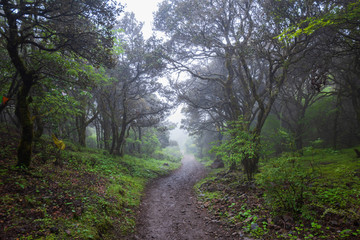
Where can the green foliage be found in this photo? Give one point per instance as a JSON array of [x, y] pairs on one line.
[[322, 179], [338, 16], [171, 153], [239, 148], [274, 139], [190, 146], [286, 184], [150, 143]]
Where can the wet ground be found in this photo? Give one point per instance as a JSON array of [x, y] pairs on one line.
[[169, 210]]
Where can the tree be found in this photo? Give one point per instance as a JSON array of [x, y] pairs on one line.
[[238, 35], [33, 29], [132, 97], [298, 94], [337, 27]]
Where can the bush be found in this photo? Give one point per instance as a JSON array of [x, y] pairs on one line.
[[171, 154], [286, 184], [150, 143], [239, 148]]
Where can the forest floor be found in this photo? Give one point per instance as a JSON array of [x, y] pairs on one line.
[[195, 203], [91, 195], [94, 195], [170, 209]]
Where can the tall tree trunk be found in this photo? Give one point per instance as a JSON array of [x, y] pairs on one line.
[[299, 140], [106, 133], [121, 139], [23, 114], [39, 124], [81, 129], [82, 124], [99, 144], [336, 120], [355, 98], [140, 139], [299, 130], [28, 79], [114, 128]]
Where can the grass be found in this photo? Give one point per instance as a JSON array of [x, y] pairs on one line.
[[92, 195]]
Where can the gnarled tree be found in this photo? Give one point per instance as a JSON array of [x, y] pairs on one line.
[[33, 28]]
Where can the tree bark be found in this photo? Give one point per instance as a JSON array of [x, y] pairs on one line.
[[121, 139], [140, 139], [82, 125], [81, 129], [106, 133], [23, 114]]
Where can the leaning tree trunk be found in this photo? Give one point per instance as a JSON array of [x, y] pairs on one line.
[[23, 114]]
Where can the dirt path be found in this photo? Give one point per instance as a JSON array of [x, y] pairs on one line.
[[169, 210]]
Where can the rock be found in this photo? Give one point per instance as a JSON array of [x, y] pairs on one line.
[[166, 164]]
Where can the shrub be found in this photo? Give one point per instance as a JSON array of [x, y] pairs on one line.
[[286, 184], [239, 147]]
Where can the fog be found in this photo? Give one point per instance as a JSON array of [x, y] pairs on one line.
[[178, 135]]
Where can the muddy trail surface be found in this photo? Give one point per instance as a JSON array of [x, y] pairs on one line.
[[169, 210]]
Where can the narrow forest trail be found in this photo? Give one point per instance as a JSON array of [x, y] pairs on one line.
[[169, 209]]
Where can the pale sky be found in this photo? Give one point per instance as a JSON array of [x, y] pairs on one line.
[[143, 10]]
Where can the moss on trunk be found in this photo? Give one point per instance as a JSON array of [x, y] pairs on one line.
[[23, 114]]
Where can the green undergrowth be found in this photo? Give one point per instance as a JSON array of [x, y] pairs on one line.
[[314, 196], [207, 161], [86, 195]]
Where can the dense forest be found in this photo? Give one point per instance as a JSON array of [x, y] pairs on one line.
[[271, 99]]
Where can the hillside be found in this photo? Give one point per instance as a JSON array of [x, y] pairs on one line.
[[76, 194]]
